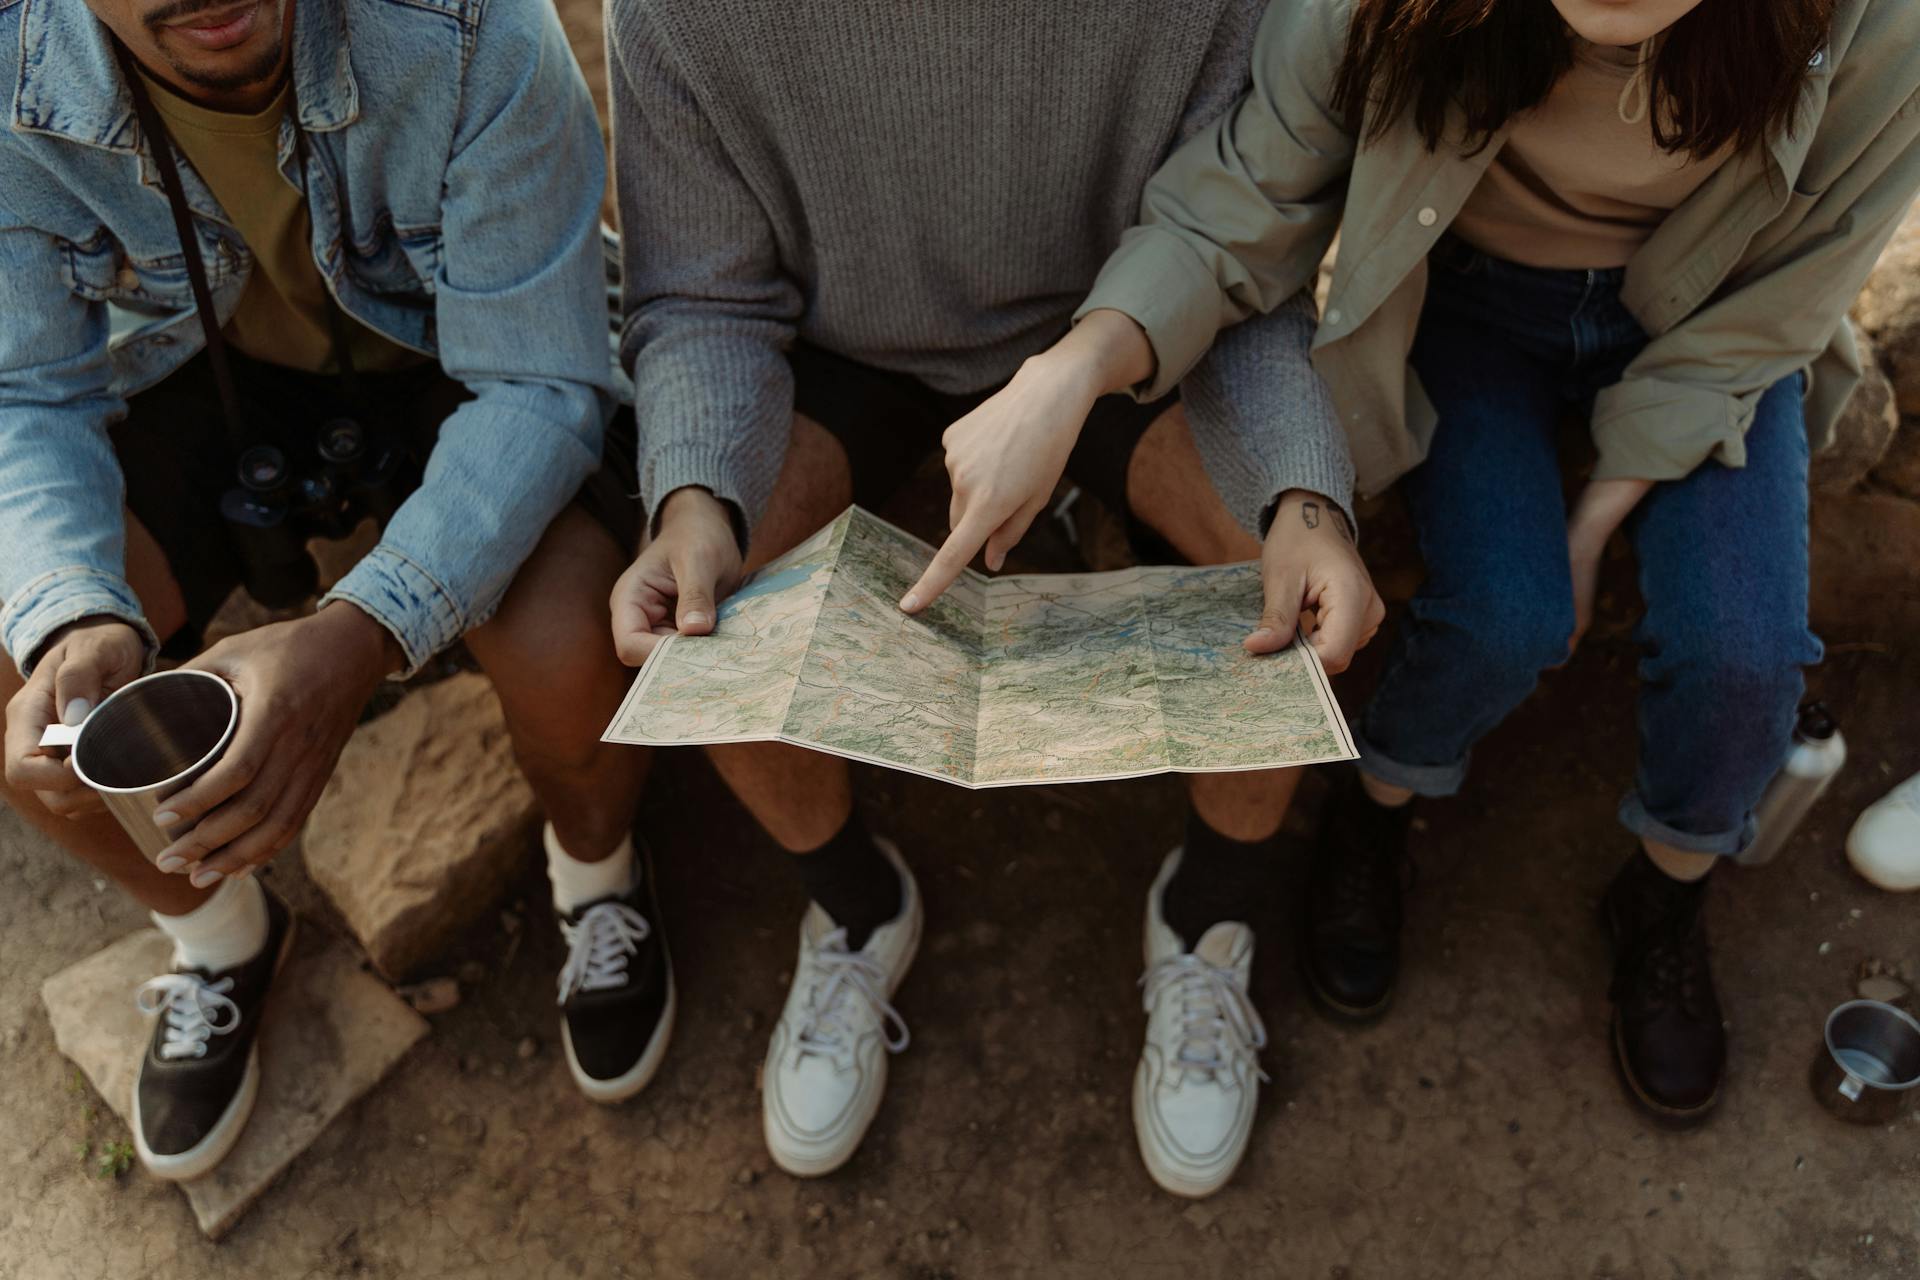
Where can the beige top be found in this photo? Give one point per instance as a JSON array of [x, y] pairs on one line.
[[283, 317], [1580, 181], [1744, 282]]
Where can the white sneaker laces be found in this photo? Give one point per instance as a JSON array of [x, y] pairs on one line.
[[195, 1010], [839, 976], [1218, 1022], [598, 947]]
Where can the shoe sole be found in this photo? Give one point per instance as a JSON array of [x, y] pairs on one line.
[[1164, 1177], [1339, 1010], [1668, 1116], [200, 1160], [641, 1074], [818, 1167]]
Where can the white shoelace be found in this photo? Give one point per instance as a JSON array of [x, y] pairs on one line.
[[195, 1010], [840, 976], [1218, 1023], [599, 946]]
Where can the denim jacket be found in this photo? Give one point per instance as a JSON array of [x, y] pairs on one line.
[[456, 171]]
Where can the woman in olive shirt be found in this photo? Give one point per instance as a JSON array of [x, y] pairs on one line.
[[1655, 210]]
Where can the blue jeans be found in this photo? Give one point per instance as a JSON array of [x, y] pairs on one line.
[[1505, 351]]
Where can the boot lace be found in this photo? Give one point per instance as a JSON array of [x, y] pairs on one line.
[[195, 1011], [607, 935], [1667, 965]]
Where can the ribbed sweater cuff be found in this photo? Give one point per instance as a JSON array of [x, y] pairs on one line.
[[703, 466]]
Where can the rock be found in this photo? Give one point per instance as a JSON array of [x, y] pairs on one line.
[[1883, 988], [527, 1048], [1888, 309], [435, 995], [473, 973], [1899, 467], [1862, 435], [1865, 551], [331, 1032], [423, 824]]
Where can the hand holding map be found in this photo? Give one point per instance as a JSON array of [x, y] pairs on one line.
[[1019, 679]]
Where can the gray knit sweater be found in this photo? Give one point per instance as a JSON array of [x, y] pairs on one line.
[[925, 186]]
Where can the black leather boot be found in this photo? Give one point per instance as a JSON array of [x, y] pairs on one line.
[[1668, 1036], [1350, 946]]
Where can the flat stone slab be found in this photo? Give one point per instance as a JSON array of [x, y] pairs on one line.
[[331, 1032]]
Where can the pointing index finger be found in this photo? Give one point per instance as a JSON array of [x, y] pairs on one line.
[[948, 564]]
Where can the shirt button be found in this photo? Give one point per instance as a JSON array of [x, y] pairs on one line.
[[1333, 316], [1427, 217], [128, 278]]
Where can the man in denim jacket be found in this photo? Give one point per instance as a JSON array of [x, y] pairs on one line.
[[396, 214]]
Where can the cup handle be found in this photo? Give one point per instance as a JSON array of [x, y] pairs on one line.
[[60, 735], [1851, 1087]]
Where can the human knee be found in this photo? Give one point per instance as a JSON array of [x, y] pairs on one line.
[[1753, 664]]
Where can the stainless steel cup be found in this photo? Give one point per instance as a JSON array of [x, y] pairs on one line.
[[1869, 1068], [148, 740]]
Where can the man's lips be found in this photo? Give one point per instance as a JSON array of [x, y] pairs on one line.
[[219, 29]]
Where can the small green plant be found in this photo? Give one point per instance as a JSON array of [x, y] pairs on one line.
[[115, 1159]]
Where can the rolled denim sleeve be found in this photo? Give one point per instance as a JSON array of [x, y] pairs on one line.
[[1239, 217], [62, 532], [520, 309]]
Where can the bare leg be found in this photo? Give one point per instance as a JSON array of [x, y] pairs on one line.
[[559, 682], [95, 838], [1168, 488], [800, 797]]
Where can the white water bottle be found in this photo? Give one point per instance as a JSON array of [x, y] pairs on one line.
[[1817, 754]]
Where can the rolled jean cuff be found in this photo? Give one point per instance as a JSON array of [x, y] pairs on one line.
[[1635, 818], [1432, 780]]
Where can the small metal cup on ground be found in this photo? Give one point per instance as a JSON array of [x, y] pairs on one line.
[[1868, 1069], [146, 741]]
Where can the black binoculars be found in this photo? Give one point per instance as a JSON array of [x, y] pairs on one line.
[[279, 504]]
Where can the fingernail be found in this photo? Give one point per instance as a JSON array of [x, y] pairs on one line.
[[202, 877], [76, 712], [1262, 631], [694, 620], [910, 601], [172, 862], [165, 818]]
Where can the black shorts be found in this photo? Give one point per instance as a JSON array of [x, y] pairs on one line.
[[889, 423], [174, 449]]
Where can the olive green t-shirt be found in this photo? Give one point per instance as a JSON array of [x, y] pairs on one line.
[[283, 317]]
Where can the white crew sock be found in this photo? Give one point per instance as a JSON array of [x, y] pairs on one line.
[[576, 883], [228, 929]]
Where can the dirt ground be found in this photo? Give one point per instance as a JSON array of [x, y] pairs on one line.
[[1477, 1131]]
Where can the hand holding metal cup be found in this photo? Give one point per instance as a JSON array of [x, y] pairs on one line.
[[147, 741]]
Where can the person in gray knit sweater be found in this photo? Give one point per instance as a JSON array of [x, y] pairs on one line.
[[845, 226]]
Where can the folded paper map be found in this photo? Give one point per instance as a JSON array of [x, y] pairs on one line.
[[1027, 678]]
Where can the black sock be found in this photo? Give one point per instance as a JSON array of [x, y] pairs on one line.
[[852, 881], [1219, 879]]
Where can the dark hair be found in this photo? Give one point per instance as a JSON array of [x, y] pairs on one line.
[[1729, 71]]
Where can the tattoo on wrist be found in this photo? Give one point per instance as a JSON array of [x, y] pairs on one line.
[[1310, 514]]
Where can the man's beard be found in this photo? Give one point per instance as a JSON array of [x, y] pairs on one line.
[[256, 70]]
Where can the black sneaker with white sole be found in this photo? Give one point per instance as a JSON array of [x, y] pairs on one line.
[[616, 992], [200, 1077]]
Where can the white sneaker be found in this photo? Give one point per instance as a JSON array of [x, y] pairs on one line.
[[1884, 845], [1199, 1077], [826, 1067]]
